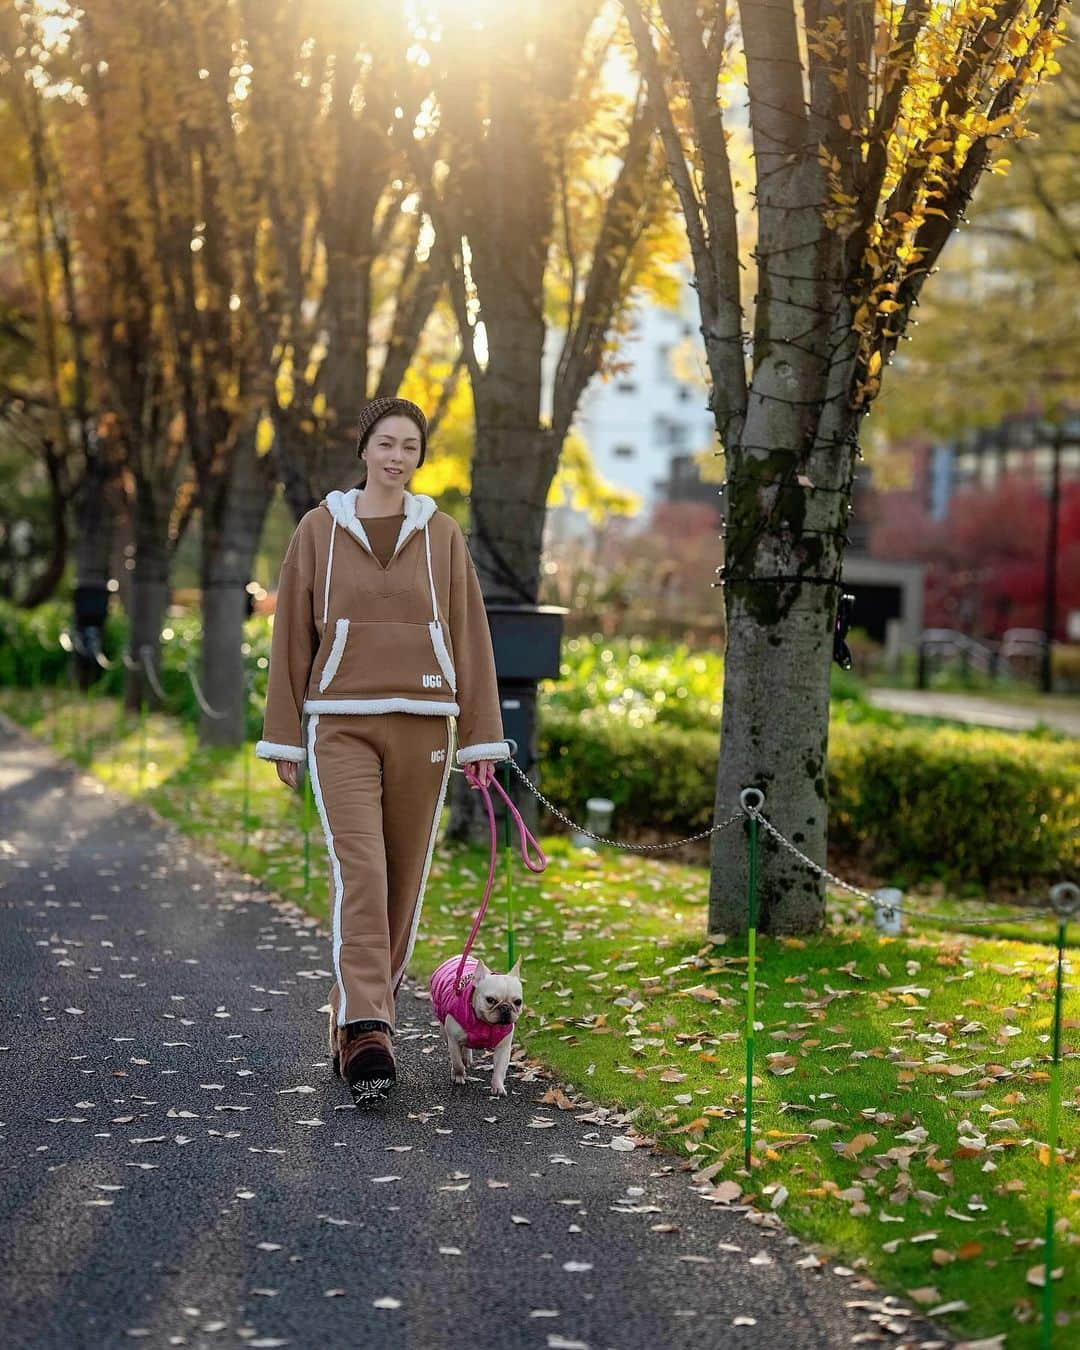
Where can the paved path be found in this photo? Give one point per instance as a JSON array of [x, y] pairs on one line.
[[986, 712], [179, 1167]]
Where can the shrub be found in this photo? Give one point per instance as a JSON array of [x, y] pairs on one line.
[[976, 805], [968, 805]]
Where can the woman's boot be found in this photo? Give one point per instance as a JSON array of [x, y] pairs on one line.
[[366, 1060]]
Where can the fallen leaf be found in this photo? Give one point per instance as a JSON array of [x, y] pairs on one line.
[[857, 1145]]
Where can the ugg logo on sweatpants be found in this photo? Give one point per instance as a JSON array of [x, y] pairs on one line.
[[432, 681], [438, 756]]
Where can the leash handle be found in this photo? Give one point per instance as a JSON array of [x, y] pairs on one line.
[[527, 841]]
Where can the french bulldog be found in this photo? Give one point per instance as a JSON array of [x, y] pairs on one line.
[[480, 1016]]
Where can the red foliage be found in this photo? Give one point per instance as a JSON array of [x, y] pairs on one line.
[[986, 562]]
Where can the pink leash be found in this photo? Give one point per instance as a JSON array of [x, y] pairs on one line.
[[526, 840]]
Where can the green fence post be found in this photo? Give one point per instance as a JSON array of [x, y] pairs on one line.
[[35, 678], [1064, 897], [142, 731], [89, 711], [246, 795], [308, 801], [752, 800], [509, 871]]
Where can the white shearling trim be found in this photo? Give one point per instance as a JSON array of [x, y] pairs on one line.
[[442, 655], [335, 865], [342, 506], [399, 973], [341, 633], [367, 706], [488, 750], [271, 750], [329, 573]]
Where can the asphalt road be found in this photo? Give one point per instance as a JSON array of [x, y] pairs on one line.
[[178, 1167]]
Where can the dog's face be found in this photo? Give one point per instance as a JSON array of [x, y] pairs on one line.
[[497, 998]]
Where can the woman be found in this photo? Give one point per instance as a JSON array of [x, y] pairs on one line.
[[381, 639]]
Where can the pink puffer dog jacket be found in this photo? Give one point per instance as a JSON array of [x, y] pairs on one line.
[[447, 1001]]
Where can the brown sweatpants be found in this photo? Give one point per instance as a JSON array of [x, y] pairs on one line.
[[379, 782]]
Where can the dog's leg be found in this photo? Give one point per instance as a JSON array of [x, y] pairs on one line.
[[455, 1036], [501, 1056]]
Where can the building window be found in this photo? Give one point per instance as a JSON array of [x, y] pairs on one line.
[[663, 362], [624, 451], [684, 393], [626, 386]]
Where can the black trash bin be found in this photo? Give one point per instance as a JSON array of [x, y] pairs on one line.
[[527, 640]]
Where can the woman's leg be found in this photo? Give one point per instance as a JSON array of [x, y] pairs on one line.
[[343, 758], [417, 756]]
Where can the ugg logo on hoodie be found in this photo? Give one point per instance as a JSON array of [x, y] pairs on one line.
[[432, 681], [438, 756]]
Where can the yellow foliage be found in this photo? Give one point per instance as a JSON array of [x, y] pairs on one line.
[[577, 484]]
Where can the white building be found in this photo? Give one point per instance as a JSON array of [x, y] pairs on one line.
[[636, 422]]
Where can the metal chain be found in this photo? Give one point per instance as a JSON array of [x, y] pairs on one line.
[[618, 843], [883, 906], [147, 654], [200, 697]]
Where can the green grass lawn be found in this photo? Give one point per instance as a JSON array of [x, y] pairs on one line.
[[900, 1085]]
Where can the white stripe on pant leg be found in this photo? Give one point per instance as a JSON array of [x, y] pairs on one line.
[[335, 865], [399, 973]]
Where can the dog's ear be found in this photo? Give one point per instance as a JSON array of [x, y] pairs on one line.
[[482, 971], [515, 969]]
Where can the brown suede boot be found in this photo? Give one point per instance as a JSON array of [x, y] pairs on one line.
[[366, 1062]]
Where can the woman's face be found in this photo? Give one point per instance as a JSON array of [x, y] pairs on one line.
[[392, 451]]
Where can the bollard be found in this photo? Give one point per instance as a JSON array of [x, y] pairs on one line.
[[598, 819], [888, 914], [747, 798]]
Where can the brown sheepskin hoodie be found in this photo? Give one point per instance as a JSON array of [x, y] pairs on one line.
[[351, 636]]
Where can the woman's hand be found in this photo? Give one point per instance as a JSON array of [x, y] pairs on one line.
[[480, 772], [288, 771]]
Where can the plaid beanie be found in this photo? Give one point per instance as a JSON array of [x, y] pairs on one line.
[[379, 408]]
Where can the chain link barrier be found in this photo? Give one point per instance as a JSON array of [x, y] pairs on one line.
[[883, 907], [147, 655], [200, 697], [619, 843], [751, 808]]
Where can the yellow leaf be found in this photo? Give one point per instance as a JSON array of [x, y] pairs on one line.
[[874, 364]]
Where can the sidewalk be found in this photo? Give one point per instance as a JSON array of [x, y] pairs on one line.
[[976, 708], [180, 1167]]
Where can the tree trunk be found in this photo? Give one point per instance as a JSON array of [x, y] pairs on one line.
[[775, 726], [513, 466], [149, 593], [94, 521], [234, 509]]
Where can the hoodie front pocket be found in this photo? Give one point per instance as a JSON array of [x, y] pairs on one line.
[[337, 650], [377, 660]]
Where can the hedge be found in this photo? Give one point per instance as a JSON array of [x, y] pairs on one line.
[[966, 806]]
